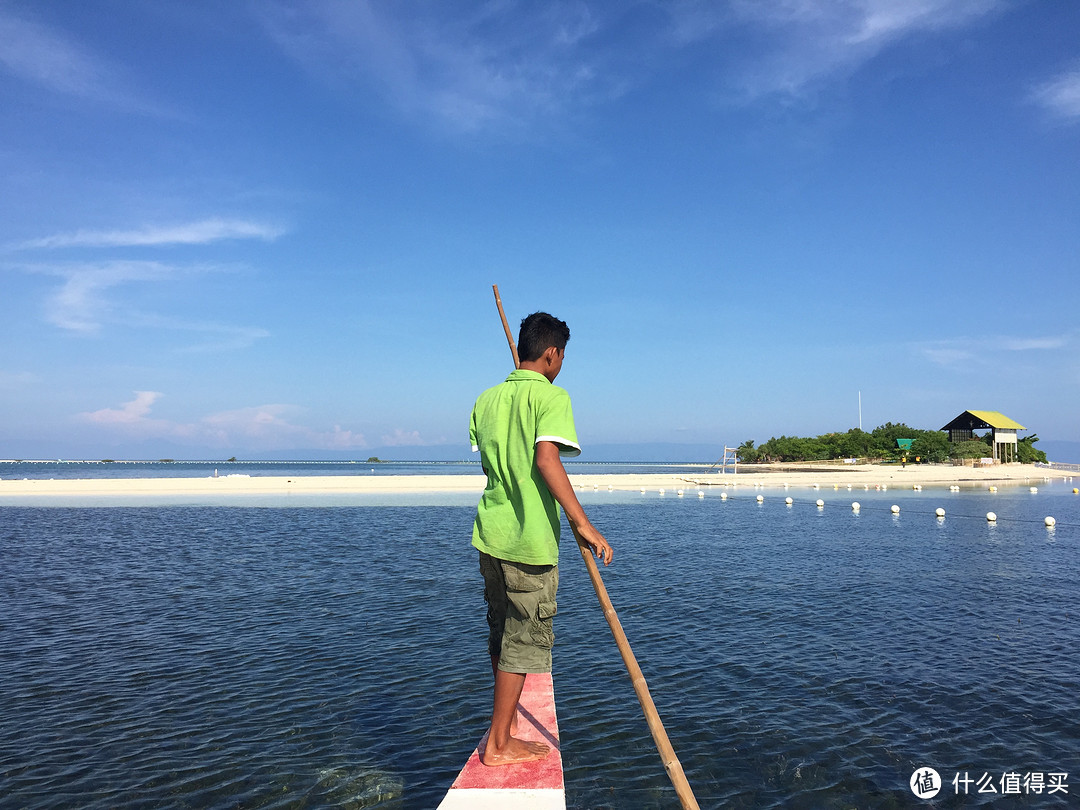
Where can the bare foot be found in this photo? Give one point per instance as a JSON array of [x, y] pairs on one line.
[[513, 752]]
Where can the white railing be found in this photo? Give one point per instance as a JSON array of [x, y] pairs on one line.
[[1054, 465]]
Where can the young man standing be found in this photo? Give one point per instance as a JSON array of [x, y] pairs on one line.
[[522, 427]]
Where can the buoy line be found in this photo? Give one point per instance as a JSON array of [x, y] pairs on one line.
[[939, 513], [893, 511]]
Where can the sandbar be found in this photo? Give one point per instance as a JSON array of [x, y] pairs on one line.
[[821, 476]]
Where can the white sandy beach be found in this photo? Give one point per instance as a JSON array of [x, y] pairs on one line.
[[809, 475]]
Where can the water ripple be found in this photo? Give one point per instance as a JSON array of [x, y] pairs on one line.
[[334, 657]]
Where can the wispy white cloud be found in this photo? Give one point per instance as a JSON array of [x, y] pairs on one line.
[[1027, 344], [48, 58], [402, 438], [947, 355], [266, 427], [200, 232], [504, 64], [791, 46], [219, 337], [273, 426], [91, 296], [82, 302], [1061, 95], [17, 380], [978, 352], [129, 413]]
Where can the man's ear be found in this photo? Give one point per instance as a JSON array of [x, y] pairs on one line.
[[551, 354]]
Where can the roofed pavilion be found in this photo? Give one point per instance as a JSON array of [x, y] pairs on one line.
[[1004, 430]]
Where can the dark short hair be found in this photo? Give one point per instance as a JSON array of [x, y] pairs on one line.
[[538, 332]]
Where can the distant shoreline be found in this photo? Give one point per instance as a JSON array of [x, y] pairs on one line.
[[860, 476]]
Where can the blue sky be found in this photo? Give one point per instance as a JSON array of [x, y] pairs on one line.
[[250, 228]]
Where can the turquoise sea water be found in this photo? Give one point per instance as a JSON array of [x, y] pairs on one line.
[[334, 655]]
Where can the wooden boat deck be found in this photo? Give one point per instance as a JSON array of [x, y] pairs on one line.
[[529, 785]]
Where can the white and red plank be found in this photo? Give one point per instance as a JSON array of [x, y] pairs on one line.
[[527, 785]]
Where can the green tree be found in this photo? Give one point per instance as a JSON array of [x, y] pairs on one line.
[[930, 446], [746, 452], [1026, 452], [884, 438], [973, 448]]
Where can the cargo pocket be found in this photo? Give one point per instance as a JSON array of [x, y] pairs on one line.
[[519, 579], [543, 628]]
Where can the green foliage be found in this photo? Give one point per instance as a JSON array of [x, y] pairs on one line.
[[975, 448], [1026, 452], [746, 452], [793, 448], [374, 460], [929, 446]]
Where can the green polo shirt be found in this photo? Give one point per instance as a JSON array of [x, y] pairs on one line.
[[517, 518]]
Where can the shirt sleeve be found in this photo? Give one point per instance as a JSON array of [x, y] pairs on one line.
[[474, 440], [556, 424]]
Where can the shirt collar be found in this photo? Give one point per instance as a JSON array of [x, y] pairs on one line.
[[525, 375]]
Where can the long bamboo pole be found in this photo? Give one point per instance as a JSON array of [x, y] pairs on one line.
[[506, 327], [641, 688]]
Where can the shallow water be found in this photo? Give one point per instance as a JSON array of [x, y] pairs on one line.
[[204, 469], [335, 656]]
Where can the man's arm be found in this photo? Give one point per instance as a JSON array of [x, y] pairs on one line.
[[552, 471]]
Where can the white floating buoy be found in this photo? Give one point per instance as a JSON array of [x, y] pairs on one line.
[[939, 512], [917, 487], [993, 489], [760, 498], [894, 509], [816, 486], [1034, 489], [1050, 522], [661, 490], [643, 490], [855, 506], [700, 494], [723, 496], [820, 503], [679, 493], [788, 501], [991, 517]]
